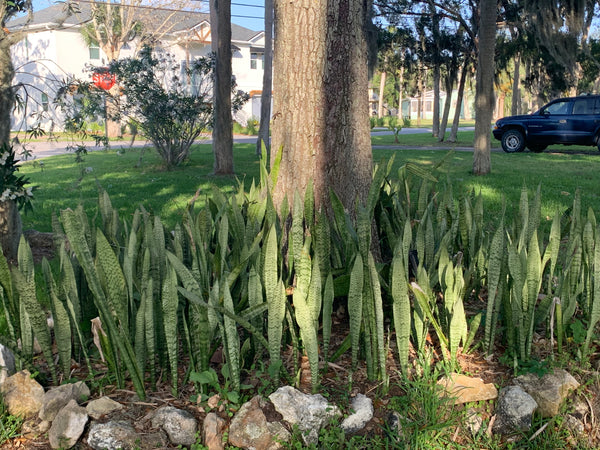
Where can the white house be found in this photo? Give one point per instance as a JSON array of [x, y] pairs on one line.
[[48, 54]]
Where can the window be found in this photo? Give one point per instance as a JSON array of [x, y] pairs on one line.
[[560, 107], [255, 58], [45, 102], [94, 51]]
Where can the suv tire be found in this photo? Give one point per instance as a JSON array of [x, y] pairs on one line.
[[513, 141]]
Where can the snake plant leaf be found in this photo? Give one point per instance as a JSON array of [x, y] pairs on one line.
[[35, 314], [75, 231], [232, 338], [379, 325], [355, 306], [328, 296], [112, 279], [400, 307], [198, 322], [62, 323]]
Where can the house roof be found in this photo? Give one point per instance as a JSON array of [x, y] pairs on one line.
[[182, 20]]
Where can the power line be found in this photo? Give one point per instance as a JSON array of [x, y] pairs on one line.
[[248, 6]]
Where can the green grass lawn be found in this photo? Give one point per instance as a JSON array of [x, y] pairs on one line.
[[134, 179]]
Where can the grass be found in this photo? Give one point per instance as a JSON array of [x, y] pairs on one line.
[[134, 178]]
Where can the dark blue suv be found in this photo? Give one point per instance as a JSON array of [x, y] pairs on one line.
[[568, 121]]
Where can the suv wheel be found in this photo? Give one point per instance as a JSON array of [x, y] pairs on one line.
[[513, 141]]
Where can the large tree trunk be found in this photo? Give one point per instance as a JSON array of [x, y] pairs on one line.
[[223, 122], [10, 229], [484, 100], [265, 98], [321, 114], [7, 97]]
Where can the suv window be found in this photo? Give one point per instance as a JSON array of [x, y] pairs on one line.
[[583, 106], [560, 107]]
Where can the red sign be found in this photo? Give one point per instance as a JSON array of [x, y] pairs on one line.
[[103, 79]]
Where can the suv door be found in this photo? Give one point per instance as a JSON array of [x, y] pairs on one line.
[[585, 120], [551, 123]]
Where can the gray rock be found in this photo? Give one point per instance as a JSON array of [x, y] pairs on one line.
[[363, 412], [112, 435], [56, 398], [308, 412], [250, 427], [68, 426], [22, 394], [102, 406], [7, 363], [180, 425], [549, 391], [514, 410]]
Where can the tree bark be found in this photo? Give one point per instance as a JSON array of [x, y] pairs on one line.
[[7, 97], [11, 229], [222, 134], [265, 99], [321, 112], [484, 100]]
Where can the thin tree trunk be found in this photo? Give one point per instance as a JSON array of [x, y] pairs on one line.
[[400, 91], [449, 87], [223, 122], [515, 107], [484, 100], [381, 91], [265, 99], [321, 110], [459, 101]]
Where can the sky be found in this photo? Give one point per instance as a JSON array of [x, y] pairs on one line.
[[247, 13]]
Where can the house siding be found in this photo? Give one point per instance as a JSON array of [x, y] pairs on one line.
[[45, 57]]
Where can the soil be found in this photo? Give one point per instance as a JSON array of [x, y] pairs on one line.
[[335, 383]]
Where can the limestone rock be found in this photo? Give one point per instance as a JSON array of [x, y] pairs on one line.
[[575, 425], [474, 421], [363, 412], [56, 398], [308, 412], [250, 427], [549, 391], [212, 430], [112, 435], [467, 389], [22, 394], [102, 406], [7, 363], [179, 425], [68, 426], [514, 410]]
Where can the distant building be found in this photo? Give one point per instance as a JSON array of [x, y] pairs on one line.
[[47, 54]]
